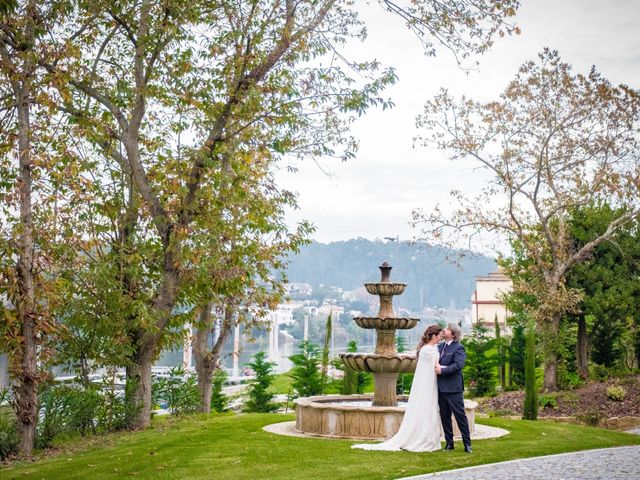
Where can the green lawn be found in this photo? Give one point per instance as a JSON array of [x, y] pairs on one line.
[[235, 447], [281, 383]]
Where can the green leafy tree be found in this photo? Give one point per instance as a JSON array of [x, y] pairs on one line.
[[260, 397], [168, 100], [610, 281], [306, 375], [480, 365]]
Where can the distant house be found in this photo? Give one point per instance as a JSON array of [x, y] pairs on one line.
[[486, 304]]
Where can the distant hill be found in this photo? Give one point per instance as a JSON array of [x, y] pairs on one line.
[[431, 279]]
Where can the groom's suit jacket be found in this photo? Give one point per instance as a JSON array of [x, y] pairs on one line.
[[453, 358]]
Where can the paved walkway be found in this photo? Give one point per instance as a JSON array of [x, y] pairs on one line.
[[620, 463]]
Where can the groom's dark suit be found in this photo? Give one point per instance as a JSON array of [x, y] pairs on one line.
[[450, 391]]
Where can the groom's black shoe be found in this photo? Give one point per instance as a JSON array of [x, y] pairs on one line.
[[467, 448], [448, 446]]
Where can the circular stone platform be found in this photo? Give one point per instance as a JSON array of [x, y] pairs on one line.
[[482, 432]]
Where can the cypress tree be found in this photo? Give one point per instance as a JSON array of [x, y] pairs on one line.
[[260, 398], [502, 373], [350, 379], [531, 393], [307, 379], [325, 352]]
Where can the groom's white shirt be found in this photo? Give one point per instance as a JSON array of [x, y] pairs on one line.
[[446, 344]]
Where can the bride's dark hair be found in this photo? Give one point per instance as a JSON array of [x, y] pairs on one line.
[[429, 333]]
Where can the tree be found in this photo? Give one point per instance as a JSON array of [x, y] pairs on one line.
[[609, 281], [260, 398], [307, 379], [501, 357], [555, 141], [403, 384], [39, 183], [480, 365], [325, 352], [516, 352], [350, 378]]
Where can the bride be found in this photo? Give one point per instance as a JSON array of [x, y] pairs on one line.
[[420, 428]]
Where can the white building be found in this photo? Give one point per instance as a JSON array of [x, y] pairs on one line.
[[486, 303]]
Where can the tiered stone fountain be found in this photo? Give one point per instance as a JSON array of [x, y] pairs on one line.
[[385, 363], [364, 416]]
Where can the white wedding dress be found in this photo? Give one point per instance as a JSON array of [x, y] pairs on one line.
[[420, 428]]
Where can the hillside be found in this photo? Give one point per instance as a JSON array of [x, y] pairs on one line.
[[431, 279]]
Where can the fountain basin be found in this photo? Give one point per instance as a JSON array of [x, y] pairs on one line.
[[351, 416], [376, 363], [386, 323], [385, 288]]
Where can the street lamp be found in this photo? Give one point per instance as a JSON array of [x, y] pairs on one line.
[[397, 240]]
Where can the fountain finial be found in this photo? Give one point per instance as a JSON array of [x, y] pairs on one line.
[[385, 269]]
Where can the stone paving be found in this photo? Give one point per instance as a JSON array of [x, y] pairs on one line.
[[620, 463]]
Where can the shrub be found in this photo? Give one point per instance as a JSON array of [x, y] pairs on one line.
[[590, 417], [9, 439], [599, 373], [548, 401], [616, 392], [179, 392], [219, 400]]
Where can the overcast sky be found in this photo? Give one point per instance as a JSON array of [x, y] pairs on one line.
[[372, 196]]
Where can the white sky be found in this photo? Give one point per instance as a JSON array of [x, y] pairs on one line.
[[373, 195]]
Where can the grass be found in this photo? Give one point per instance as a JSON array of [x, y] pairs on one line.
[[235, 447], [281, 383]]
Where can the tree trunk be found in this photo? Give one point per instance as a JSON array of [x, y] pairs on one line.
[[582, 358], [139, 377], [204, 365], [25, 361], [207, 361], [205, 379], [139, 372]]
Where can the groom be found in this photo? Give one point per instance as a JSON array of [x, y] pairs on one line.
[[451, 386]]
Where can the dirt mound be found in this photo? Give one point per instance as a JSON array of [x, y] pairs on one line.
[[591, 399]]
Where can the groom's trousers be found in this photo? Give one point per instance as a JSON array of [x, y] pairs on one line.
[[453, 403]]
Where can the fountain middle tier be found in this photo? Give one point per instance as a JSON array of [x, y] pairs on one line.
[[375, 363], [385, 288]]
